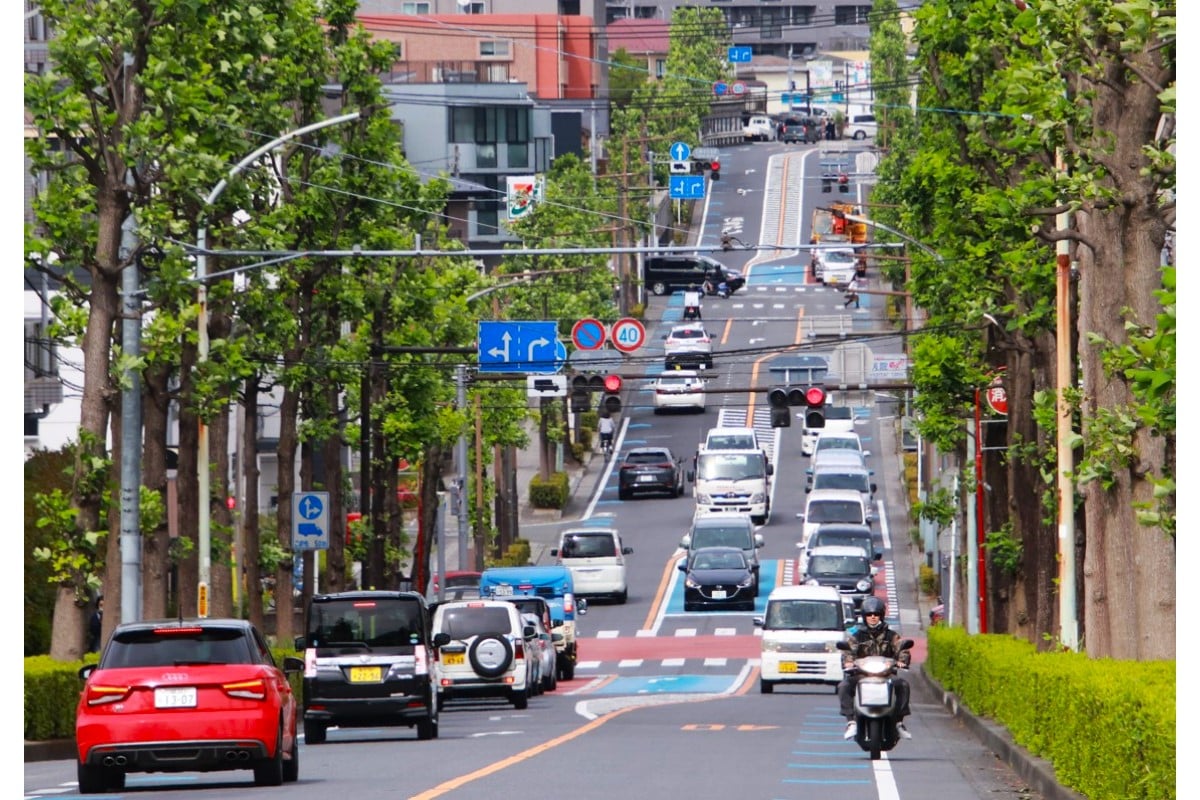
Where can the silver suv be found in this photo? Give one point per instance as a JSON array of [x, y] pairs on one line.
[[483, 651]]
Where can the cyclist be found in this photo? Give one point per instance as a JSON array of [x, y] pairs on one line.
[[607, 427]]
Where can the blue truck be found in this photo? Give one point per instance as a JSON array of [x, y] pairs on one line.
[[555, 584]]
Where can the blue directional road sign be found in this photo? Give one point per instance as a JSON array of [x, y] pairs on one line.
[[681, 151], [739, 55], [687, 187], [526, 347], [310, 521]]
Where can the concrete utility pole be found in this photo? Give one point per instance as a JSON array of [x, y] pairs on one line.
[[131, 431], [460, 467]]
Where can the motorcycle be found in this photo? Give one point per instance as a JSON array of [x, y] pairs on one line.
[[875, 701]]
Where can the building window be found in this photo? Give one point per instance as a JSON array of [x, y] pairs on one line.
[[478, 125], [518, 155], [851, 15], [645, 12], [495, 48], [799, 15], [472, 8], [660, 67], [415, 8], [41, 360]]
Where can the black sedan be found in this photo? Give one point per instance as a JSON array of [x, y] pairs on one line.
[[717, 577], [650, 469]]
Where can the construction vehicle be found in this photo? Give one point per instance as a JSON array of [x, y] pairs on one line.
[[831, 227]]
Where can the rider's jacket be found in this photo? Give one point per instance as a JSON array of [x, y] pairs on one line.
[[883, 641]]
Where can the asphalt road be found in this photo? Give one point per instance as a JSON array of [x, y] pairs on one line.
[[666, 702]]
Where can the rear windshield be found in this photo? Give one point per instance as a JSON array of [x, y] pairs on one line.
[[731, 442], [826, 539], [837, 443], [834, 511], [808, 615], [648, 457], [463, 623], [588, 545], [388, 622], [859, 482], [177, 647]]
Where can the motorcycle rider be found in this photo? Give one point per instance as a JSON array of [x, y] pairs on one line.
[[873, 638]]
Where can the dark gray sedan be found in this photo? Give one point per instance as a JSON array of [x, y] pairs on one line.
[[717, 577], [650, 469]]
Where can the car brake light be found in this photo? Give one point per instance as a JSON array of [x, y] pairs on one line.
[[568, 603], [176, 631], [247, 690], [519, 649], [101, 695]]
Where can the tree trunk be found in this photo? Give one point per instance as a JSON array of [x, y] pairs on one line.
[[288, 413], [1128, 589], [155, 563], [250, 529], [69, 629], [187, 491]]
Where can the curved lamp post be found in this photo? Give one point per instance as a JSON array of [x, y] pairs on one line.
[[204, 523]]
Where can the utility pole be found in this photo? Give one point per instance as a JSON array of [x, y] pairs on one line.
[[460, 467], [131, 431]]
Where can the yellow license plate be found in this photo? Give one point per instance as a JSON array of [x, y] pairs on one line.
[[366, 674], [453, 659], [787, 666]]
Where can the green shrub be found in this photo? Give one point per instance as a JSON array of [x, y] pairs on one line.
[[931, 582], [589, 420], [1054, 703], [517, 555], [550, 493]]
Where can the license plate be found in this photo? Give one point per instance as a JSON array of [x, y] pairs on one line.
[[873, 694], [718, 594], [453, 659], [366, 674], [787, 666], [502, 591], [645, 479], [175, 697]]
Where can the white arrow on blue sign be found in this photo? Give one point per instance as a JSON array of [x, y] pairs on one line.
[[681, 151], [687, 187], [740, 55], [310, 521], [527, 347]]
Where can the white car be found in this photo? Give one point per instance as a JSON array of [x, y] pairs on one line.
[[800, 632], [595, 556], [835, 266], [486, 655], [759, 128], [679, 389], [862, 126], [689, 343], [838, 440]]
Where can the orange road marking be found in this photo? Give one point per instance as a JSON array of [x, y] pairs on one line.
[[728, 328], [660, 593]]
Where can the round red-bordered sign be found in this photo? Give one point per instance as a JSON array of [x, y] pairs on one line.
[[997, 398], [628, 334], [588, 334]]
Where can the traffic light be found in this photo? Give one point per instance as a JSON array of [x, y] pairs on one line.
[[715, 168], [612, 393], [814, 398], [781, 417], [843, 183], [581, 395], [826, 183]]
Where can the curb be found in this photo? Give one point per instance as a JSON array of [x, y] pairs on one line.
[[50, 750], [1038, 772]]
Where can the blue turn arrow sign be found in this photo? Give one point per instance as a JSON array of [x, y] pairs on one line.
[[527, 347]]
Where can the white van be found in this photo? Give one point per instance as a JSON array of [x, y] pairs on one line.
[[833, 505], [861, 126], [595, 555], [800, 629], [839, 419], [733, 482], [731, 439]]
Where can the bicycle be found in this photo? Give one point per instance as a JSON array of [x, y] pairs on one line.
[[606, 445]]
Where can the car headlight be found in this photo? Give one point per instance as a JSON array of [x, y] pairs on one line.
[[747, 581], [691, 584], [770, 646], [758, 497], [703, 498], [865, 585], [812, 582]]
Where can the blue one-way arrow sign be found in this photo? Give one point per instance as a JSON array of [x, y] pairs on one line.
[[681, 151], [310, 521]]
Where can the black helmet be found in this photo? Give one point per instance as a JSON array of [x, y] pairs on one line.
[[873, 605]]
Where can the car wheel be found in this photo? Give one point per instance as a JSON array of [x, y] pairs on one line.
[[765, 686], [658, 288], [314, 732], [859, 135], [427, 727], [550, 682], [490, 655], [622, 596], [622, 494], [269, 771], [97, 780], [291, 765], [567, 671], [520, 700]]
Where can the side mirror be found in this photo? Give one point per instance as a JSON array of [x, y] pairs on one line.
[[682, 566], [906, 644], [86, 670], [530, 632], [581, 607], [299, 643], [800, 515], [770, 469], [626, 551], [554, 551], [441, 639], [872, 488], [759, 541], [292, 664], [686, 541], [878, 555], [866, 453], [691, 476], [842, 644], [758, 622], [807, 489]]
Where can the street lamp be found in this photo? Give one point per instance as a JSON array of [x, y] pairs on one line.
[[204, 523]]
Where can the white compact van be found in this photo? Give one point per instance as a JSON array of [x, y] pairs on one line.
[[733, 482], [833, 505], [595, 555], [800, 631]]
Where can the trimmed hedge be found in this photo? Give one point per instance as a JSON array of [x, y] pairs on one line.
[[552, 493], [52, 693], [1107, 726]]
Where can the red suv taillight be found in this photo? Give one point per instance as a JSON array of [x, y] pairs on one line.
[[247, 690], [519, 649], [102, 695]]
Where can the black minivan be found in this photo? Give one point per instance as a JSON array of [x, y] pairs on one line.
[[665, 274]]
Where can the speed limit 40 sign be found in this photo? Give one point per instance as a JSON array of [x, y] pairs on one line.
[[628, 334]]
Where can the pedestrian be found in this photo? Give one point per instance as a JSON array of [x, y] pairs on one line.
[[852, 292], [94, 625], [830, 130]]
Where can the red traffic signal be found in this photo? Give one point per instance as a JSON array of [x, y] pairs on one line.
[[814, 397], [612, 383], [715, 166]]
